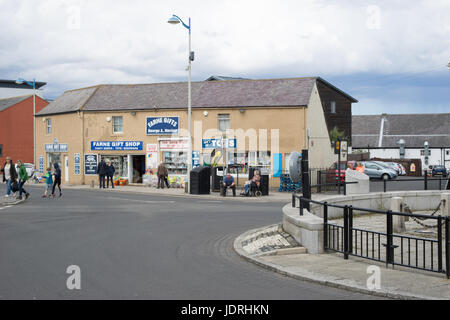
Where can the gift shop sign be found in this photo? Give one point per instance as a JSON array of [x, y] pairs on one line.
[[162, 125], [117, 145]]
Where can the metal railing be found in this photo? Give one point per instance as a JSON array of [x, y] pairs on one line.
[[427, 182], [429, 254]]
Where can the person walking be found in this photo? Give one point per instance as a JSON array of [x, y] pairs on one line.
[[9, 175], [101, 171], [110, 170], [48, 183], [23, 177], [57, 181], [161, 173]]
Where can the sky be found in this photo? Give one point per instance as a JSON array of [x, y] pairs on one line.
[[391, 55]]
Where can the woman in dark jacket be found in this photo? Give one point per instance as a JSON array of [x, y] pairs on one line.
[[110, 170], [57, 181], [9, 175]]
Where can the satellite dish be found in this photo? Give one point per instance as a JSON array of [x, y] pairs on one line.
[[295, 169]]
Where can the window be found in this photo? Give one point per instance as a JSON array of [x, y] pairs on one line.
[[49, 126], [333, 107], [117, 124], [422, 152], [1, 150], [224, 122]]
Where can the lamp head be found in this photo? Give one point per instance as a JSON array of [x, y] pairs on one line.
[[173, 20]]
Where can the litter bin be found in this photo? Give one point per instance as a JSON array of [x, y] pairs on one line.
[[216, 180], [200, 180]]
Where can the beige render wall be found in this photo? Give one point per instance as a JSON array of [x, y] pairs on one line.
[[321, 154], [69, 128]]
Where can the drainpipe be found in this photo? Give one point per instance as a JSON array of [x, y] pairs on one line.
[[383, 119]]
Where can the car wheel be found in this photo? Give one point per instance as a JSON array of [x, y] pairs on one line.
[[385, 176]]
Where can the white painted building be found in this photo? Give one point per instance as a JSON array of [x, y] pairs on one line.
[[380, 135]]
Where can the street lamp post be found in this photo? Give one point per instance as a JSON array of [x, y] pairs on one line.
[[32, 84], [176, 20]]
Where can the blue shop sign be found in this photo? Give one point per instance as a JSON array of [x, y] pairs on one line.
[[56, 148], [117, 145], [217, 143], [162, 125]]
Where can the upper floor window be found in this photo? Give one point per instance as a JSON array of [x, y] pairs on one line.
[[49, 126], [224, 122], [333, 107], [1, 150], [117, 124]]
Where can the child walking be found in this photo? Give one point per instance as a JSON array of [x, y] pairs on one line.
[[48, 182]]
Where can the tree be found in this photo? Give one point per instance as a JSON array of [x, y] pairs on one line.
[[335, 134]]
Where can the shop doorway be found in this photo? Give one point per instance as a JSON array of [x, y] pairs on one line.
[[138, 168]]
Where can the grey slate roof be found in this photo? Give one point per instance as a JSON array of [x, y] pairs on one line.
[[218, 78], [292, 92], [9, 102], [415, 129], [205, 94]]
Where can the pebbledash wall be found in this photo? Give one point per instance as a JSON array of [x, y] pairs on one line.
[[79, 138]]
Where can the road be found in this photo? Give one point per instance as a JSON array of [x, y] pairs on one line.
[[131, 246]]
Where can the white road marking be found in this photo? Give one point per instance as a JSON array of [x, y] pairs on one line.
[[5, 207]]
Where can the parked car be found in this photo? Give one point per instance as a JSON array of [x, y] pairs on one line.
[[389, 165], [438, 170], [375, 170], [333, 172]]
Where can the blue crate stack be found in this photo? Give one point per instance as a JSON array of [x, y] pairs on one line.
[[286, 184]]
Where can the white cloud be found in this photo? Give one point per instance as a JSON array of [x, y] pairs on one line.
[[130, 41]]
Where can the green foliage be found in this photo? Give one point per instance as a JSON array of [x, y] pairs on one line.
[[335, 134]]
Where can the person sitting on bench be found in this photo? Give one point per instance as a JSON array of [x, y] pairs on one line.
[[228, 182]]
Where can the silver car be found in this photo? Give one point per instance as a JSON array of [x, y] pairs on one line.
[[375, 170]]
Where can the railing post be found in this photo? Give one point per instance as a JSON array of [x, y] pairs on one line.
[[301, 206], [447, 247], [345, 188], [319, 181], [350, 229], [440, 183], [389, 232], [345, 235], [293, 200], [425, 180], [384, 185], [439, 238], [325, 226]]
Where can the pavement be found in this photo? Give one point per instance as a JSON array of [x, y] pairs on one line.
[[274, 195], [332, 270]]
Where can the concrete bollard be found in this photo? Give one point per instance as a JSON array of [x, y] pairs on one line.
[[445, 198], [398, 221]]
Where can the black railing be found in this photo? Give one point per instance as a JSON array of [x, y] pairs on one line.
[[428, 183], [393, 249]]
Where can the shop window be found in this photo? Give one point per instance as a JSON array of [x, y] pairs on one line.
[[54, 158], [333, 107], [118, 124], [224, 122], [120, 164], [175, 162], [49, 126]]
